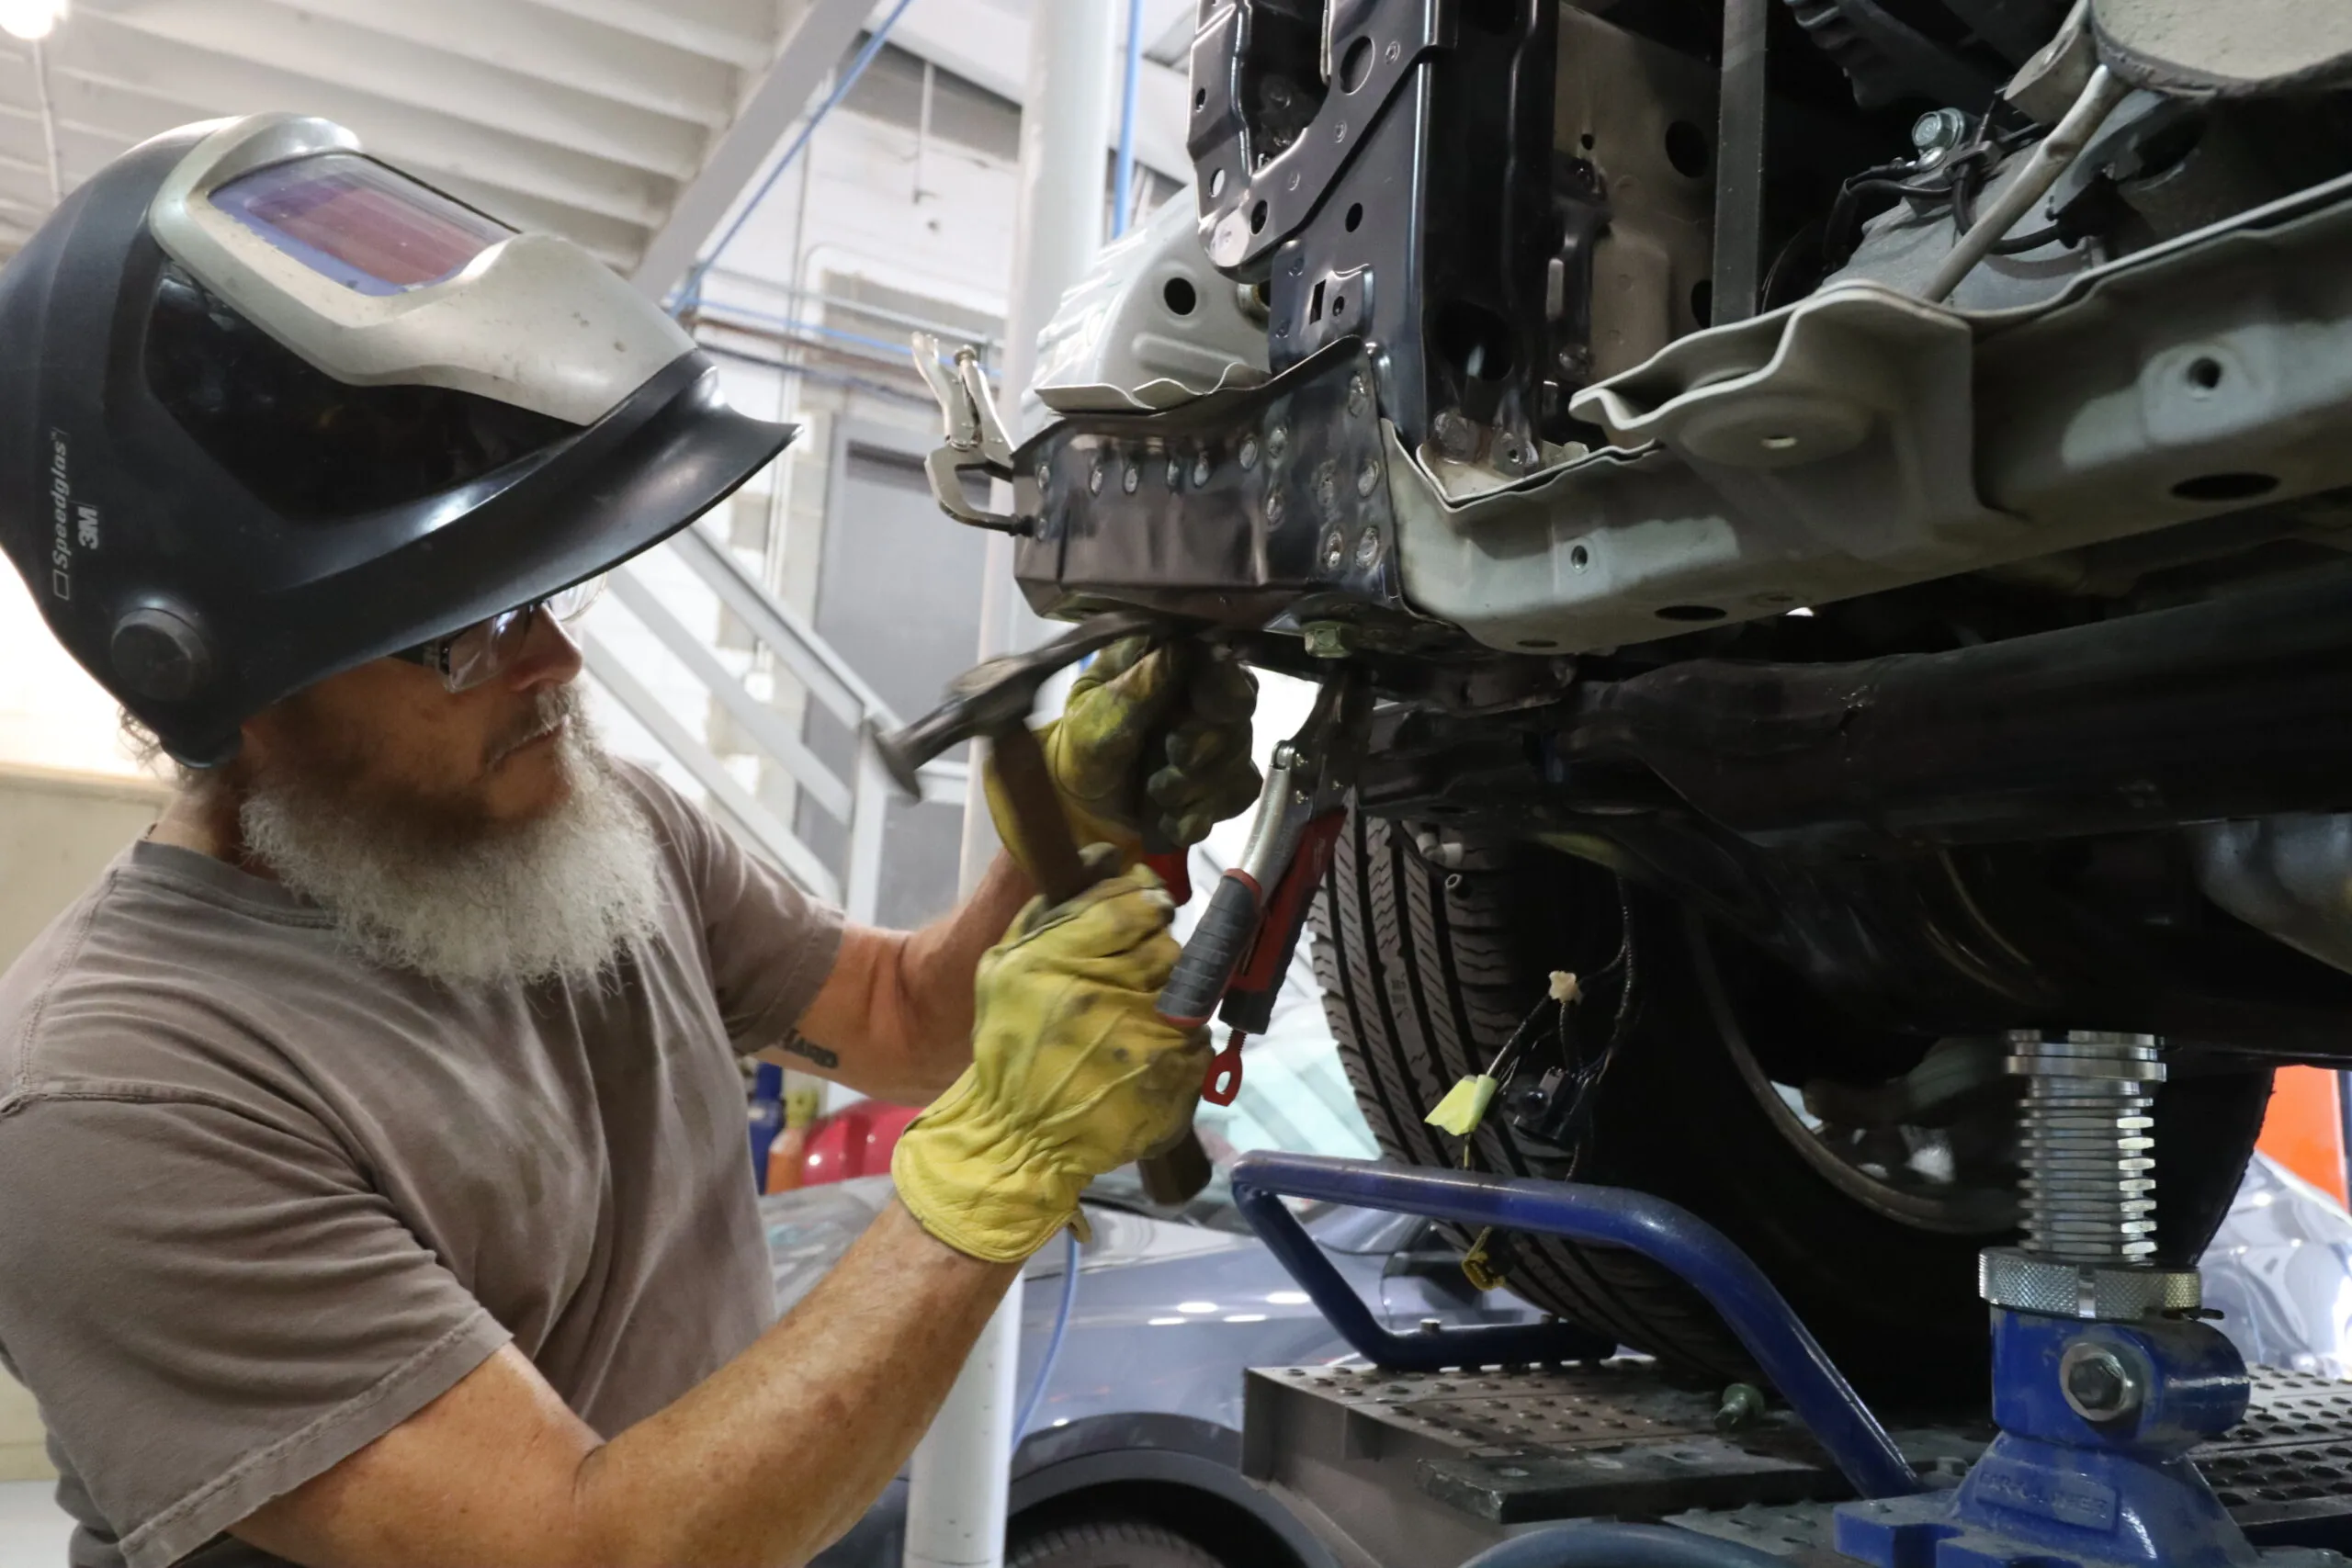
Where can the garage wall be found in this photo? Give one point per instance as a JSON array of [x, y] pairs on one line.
[[58, 830]]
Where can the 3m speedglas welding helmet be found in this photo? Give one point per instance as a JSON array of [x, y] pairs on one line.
[[272, 409]]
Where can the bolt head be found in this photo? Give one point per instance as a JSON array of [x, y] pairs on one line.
[[1327, 640], [1358, 393], [1248, 453], [1277, 441], [1132, 479], [1368, 477], [1045, 476], [2099, 1384], [1200, 471], [1335, 550], [1455, 436], [1275, 507], [1094, 477], [1367, 549], [1175, 472], [1935, 133]]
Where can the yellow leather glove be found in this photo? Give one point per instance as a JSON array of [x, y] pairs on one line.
[[1074, 1074], [1153, 737]]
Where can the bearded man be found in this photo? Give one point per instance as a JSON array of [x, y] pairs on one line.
[[372, 1177]]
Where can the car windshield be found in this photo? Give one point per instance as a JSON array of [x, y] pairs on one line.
[[1294, 1093]]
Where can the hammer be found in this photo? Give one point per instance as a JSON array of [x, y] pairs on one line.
[[992, 701]]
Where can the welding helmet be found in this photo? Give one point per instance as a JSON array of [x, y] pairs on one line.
[[274, 409]]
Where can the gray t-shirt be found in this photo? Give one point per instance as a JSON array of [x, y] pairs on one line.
[[261, 1200]]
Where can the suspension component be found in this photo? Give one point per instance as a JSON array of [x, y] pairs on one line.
[[2087, 1144]]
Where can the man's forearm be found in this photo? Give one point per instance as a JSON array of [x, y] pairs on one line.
[[776, 1454], [936, 971], [894, 1019]]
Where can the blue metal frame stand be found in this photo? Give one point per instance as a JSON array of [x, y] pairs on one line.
[[1664, 1232]]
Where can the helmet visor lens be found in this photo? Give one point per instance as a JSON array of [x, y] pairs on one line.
[[367, 227]]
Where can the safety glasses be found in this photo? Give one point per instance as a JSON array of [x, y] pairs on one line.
[[486, 650]]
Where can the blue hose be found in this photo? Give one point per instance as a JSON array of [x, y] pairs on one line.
[[1053, 1344], [1123, 166], [1605, 1545]]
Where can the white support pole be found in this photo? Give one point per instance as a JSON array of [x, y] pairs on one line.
[[957, 1484]]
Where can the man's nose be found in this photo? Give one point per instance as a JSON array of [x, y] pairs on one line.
[[550, 656]]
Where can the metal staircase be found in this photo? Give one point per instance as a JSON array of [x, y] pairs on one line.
[[790, 668]]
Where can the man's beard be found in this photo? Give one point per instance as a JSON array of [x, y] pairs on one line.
[[430, 886]]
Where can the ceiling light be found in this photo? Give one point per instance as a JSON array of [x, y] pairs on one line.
[[30, 19]]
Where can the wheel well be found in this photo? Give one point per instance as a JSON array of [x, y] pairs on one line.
[[1215, 1524]]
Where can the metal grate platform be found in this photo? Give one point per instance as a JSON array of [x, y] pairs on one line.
[[1409, 1466]]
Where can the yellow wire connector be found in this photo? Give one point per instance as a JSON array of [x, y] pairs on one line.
[[1465, 1106], [1477, 1268]]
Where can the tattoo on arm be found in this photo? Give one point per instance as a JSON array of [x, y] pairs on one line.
[[793, 1043]]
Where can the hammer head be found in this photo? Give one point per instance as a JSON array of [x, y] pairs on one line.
[[982, 701], [999, 692]]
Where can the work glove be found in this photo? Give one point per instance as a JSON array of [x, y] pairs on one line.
[[1153, 744], [1073, 1073]]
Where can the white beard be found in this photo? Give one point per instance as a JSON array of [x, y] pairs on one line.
[[554, 899]]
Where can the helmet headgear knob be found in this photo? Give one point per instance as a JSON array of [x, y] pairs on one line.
[[159, 654]]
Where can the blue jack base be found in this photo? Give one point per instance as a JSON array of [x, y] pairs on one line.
[[2090, 1468], [1920, 1532]]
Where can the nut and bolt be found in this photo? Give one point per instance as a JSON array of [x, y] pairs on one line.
[[1335, 549], [1367, 549], [1511, 455], [1277, 442], [1455, 437], [1094, 477], [1368, 477], [1175, 472], [1934, 135], [1359, 393], [2100, 1384], [1328, 639], [1249, 454], [1275, 507], [1433, 1326], [1045, 476], [1200, 471], [1132, 481]]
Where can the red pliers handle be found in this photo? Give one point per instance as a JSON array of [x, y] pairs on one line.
[[1247, 934]]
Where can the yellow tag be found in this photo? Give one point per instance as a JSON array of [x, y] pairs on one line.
[[1476, 1269], [1465, 1106]]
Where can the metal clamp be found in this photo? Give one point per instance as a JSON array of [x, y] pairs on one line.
[[976, 438]]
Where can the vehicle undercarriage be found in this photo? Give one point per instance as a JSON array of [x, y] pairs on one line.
[[1845, 505]]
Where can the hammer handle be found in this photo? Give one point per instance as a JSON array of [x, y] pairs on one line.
[[1047, 842], [1170, 1175]]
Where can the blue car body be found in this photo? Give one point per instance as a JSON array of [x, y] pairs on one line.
[[1143, 1410]]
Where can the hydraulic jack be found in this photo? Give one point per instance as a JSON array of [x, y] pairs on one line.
[[2104, 1376]]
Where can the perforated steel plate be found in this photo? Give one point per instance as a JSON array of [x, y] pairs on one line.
[[1457, 1456]]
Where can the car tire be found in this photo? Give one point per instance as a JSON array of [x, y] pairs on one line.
[[1109, 1541], [1426, 970]]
